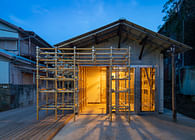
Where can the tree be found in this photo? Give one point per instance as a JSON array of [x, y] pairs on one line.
[[170, 8]]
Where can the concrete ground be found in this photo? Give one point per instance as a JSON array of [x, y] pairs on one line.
[[21, 123], [156, 127]]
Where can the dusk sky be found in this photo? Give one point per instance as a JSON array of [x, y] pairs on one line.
[[59, 20]]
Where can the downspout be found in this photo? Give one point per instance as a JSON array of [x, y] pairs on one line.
[[29, 44], [19, 46], [34, 100]]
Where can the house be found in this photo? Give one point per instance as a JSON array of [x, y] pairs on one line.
[[17, 63], [118, 66]]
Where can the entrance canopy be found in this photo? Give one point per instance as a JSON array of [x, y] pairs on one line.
[[124, 29]]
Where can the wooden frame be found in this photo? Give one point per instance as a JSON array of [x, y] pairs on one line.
[[60, 66]]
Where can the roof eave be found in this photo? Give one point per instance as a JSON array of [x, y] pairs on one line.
[[141, 29]]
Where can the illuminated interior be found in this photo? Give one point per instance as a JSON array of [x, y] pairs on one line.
[[147, 89], [93, 88], [123, 86]]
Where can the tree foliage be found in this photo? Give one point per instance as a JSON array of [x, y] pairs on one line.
[[170, 8]]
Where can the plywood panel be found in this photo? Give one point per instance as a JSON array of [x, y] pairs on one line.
[[93, 85]]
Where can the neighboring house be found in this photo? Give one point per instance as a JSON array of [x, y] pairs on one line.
[[181, 28], [17, 63]]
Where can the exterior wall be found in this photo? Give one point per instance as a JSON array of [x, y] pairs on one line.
[[13, 96], [151, 58], [17, 87], [15, 75], [9, 45], [5, 31], [28, 49], [24, 95]]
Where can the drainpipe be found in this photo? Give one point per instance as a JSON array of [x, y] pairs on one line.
[[19, 46], [29, 44], [34, 100]]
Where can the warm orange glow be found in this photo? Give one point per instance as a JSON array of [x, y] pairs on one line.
[[94, 82], [95, 87], [147, 89], [123, 85]]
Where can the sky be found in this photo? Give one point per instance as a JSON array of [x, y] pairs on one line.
[[59, 20]]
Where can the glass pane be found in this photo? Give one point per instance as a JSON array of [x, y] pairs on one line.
[[123, 86], [147, 89]]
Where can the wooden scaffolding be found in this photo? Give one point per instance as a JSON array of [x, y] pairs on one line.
[[60, 88]]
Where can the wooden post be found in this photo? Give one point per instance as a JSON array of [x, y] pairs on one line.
[[117, 90], [173, 86], [107, 90], [110, 85], [63, 97], [74, 84], [47, 75], [129, 78], [77, 87], [56, 85], [37, 79]]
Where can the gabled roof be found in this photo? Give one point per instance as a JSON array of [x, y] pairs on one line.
[[26, 33], [125, 28]]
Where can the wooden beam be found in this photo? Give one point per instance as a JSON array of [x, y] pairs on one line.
[[119, 36], [99, 39], [136, 38], [143, 43]]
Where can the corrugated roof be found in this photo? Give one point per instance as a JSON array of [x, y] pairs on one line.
[[124, 26]]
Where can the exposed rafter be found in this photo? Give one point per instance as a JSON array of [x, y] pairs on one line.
[[143, 43], [119, 36]]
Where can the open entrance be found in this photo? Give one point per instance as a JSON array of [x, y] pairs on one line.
[[93, 81]]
